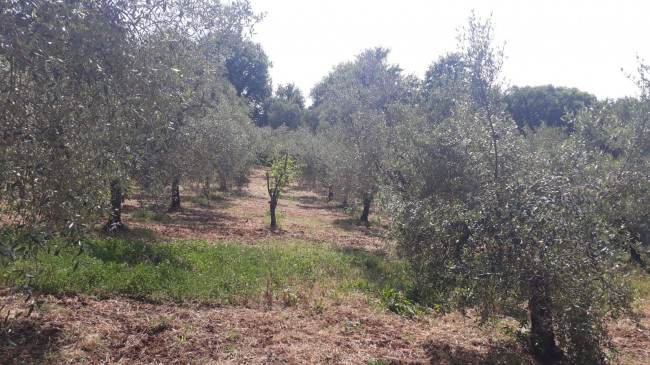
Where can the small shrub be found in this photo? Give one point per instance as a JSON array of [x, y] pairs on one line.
[[319, 306], [289, 299], [395, 302], [151, 215], [374, 361]]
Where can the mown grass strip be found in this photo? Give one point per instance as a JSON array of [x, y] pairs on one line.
[[225, 272]]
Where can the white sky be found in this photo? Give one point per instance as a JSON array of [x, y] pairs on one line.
[[572, 43]]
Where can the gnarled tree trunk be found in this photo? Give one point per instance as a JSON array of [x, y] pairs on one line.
[[330, 193], [176, 196], [541, 323], [367, 200], [206, 189], [115, 219], [223, 185]]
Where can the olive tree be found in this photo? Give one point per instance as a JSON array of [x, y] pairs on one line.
[[351, 103], [445, 84], [190, 64], [65, 71], [221, 143], [509, 224], [67, 88], [619, 131], [89, 89], [86, 93]]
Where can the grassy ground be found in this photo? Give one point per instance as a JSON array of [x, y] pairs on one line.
[[211, 284], [221, 272]]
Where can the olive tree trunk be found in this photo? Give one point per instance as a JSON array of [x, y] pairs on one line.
[[366, 209], [115, 219], [176, 196], [541, 323], [330, 193], [223, 186]]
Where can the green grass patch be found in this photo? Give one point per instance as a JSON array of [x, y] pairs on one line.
[[352, 223], [311, 221], [201, 199], [151, 215], [640, 282], [225, 272]]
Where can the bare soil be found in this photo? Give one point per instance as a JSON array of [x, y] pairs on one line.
[[349, 330], [243, 216]]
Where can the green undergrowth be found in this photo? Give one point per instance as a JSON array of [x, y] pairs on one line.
[[639, 281], [202, 199], [152, 215], [223, 272]]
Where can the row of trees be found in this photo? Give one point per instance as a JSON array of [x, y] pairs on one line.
[[523, 202], [101, 96]]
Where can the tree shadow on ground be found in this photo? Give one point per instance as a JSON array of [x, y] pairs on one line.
[[378, 272], [34, 339], [306, 199], [203, 215], [134, 233], [370, 229], [309, 206], [498, 353], [351, 224], [238, 193], [309, 187], [214, 202]]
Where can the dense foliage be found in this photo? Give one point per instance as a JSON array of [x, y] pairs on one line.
[[531, 107], [351, 103], [101, 96], [525, 203], [526, 225]]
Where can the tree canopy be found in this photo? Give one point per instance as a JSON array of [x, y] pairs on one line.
[[248, 70], [532, 106], [95, 96]]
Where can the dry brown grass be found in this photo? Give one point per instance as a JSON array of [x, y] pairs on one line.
[[630, 337], [123, 331]]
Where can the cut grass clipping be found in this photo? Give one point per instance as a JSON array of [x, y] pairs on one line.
[[230, 273]]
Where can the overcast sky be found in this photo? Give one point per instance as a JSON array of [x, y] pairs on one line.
[[572, 43]]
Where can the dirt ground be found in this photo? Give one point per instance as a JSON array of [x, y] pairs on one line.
[[82, 329], [350, 330], [243, 216], [119, 331]]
